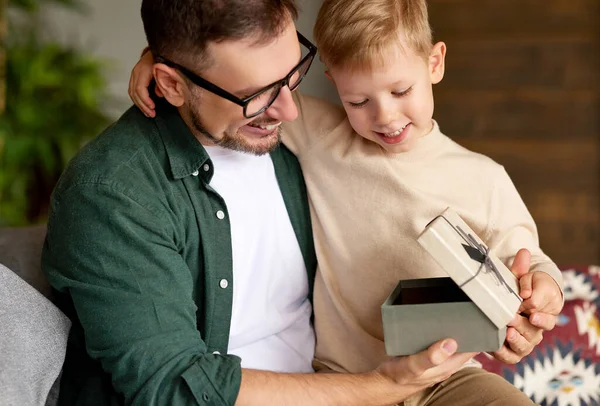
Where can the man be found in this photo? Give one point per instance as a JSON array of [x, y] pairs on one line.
[[182, 246]]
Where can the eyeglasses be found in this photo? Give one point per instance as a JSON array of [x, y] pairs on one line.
[[260, 101]]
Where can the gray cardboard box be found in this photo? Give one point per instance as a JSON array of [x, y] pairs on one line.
[[473, 306], [420, 312]]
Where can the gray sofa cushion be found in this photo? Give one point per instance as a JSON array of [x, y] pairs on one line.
[[33, 340]]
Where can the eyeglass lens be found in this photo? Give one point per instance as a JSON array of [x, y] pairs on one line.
[[264, 100]]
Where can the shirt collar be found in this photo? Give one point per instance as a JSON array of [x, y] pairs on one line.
[[186, 154]]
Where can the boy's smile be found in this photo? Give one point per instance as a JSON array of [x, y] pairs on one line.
[[391, 103]]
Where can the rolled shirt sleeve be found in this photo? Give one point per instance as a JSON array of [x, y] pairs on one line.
[[118, 256]]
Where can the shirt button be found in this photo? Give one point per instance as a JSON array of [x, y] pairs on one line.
[[195, 173], [206, 167], [205, 397], [223, 283], [220, 215], [216, 353]]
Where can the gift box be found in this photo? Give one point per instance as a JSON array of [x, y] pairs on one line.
[[473, 304]]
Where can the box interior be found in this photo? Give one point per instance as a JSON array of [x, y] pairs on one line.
[[443, 291]]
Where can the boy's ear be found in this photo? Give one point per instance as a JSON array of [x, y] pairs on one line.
[[329, 76], [170, 83], [437, 62]]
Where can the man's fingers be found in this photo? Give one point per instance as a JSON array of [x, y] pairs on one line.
[[435, 355], [440, 352]]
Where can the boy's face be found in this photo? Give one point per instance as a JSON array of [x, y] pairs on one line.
[[392, 105]]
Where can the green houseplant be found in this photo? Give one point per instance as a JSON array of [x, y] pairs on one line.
[[54, 96]]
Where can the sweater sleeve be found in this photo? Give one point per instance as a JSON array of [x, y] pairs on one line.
[[316, 118], [511, 228], [115, 255]]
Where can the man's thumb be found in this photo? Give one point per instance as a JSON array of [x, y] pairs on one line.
[[441, 351]]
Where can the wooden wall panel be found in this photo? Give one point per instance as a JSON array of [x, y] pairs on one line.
[[522, 86]]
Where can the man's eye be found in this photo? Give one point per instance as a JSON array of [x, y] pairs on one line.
[[359, 104]]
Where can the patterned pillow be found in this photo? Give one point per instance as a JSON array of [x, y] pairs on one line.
[[564, 369]]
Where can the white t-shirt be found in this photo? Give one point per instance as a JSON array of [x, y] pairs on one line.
[[270, 324]]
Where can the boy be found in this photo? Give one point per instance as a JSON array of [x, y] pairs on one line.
[[378, 171]]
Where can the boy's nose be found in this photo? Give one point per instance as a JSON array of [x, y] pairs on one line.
[[384, 116], [283, 108]]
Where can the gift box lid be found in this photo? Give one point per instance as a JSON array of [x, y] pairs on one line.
[[467, 260]]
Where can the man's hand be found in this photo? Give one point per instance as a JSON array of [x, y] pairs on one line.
[[141, 77], [426, 368], [391, 383]]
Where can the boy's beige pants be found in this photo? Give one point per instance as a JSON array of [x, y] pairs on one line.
[[471, 386]]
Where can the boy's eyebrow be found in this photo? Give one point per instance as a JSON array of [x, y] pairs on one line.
[[401, 83]]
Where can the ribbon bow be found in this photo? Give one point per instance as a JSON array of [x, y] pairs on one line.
[[480, 253]]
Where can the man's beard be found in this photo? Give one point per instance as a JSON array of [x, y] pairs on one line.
[[237, 142]]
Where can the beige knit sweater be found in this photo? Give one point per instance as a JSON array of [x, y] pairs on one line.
[[368, 206]]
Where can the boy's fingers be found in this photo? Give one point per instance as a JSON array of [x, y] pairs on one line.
[[544, 321], [521, 345], [143, 101], [506, 355], [521, 263], [522, 326], [526, 285]]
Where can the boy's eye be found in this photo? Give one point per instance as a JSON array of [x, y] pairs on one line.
[[402, 93], [359, 104]]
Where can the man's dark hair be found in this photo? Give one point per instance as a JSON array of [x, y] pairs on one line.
[[181, 29]]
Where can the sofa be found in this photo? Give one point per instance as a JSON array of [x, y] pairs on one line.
[[33, 333]]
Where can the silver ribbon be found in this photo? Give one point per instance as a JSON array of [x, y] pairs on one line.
[[480, 253]]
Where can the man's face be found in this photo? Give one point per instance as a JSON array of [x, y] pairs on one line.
[[392, 105], [243, 67]]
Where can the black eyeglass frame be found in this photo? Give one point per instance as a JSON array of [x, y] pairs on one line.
[[211, 87]]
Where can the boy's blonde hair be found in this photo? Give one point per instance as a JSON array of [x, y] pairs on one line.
[[356, 34]]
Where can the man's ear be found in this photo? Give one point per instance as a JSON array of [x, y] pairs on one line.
[[329, 76], [170, 83], [437, 62]]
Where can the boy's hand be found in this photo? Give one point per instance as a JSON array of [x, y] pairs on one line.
[[140, 79], [542, 299], [542, 302], [521, 335]]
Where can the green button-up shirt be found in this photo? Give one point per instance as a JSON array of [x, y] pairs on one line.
[[137, 246]]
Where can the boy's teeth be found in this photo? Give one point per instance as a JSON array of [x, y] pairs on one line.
[[396, 133]]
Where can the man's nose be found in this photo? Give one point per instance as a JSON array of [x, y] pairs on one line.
[[283, 108]]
